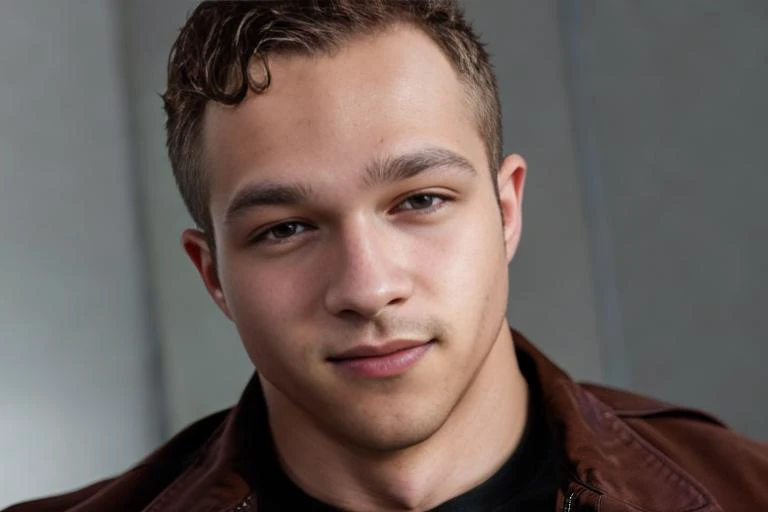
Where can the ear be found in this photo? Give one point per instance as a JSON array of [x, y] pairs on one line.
[[510, 182], [196, 246]]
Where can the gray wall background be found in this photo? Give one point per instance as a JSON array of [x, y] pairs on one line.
[[643, 262]]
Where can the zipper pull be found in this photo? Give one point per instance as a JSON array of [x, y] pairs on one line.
[[243, 506], [569, 502]]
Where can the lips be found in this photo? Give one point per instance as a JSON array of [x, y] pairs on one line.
[[386, 360], [377, 350]]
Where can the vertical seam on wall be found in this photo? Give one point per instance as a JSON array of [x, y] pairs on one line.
[[614, 363], [158, 393]]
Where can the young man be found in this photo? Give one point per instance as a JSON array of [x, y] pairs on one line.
[[342, 162]]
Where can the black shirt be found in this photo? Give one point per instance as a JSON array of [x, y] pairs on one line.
[[527, 481]]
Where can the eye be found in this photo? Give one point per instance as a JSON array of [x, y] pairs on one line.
[[280, 232], [421, 202]]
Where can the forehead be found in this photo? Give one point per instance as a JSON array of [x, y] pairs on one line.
[[331, 114]]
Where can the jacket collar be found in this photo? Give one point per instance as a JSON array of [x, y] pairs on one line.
[[603, 456]]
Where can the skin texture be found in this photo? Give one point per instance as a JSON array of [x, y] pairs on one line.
[[331, 252]]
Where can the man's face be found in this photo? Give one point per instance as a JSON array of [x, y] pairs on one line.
[[360, 246]]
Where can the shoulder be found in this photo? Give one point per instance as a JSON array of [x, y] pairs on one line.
[[633, 405], [135, 488], [732, 467]]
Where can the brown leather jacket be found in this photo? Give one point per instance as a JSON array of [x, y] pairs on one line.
[[622, 452]]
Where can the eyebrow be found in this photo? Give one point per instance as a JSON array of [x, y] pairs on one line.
[[265, 194], [409, 165], [379, 172]]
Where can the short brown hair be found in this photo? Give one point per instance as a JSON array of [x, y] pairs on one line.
[[211, 59]]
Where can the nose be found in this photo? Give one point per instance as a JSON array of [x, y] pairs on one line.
[[367, 272]]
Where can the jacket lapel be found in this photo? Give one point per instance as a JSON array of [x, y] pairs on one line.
[[610, 466]]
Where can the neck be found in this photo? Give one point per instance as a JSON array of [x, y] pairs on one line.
[[482, 431]]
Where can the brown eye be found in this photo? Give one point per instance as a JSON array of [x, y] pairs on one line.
[[281, 232], [285, 230], [421, 202]]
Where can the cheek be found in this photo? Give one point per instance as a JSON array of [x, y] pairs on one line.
[[465, 258], [469, 282], [267, 303], [264, 291]]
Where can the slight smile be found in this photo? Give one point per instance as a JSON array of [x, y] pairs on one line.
[[388, 360]]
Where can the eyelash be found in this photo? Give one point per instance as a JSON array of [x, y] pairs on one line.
[[441, 198], [261, 236]]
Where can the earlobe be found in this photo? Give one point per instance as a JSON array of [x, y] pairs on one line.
[[196, 246], [511, 182]]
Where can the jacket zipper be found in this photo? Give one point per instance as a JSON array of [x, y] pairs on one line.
[[569, 501], [243, 506]]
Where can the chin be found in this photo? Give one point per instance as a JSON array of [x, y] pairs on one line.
[[394, 433]]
